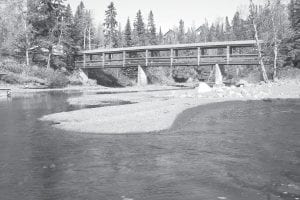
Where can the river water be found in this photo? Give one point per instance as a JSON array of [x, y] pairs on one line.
[[234, 150]]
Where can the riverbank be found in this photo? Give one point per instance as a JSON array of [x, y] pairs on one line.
[[156, 111]]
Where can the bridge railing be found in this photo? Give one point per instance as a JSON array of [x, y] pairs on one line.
[[223, 53], [177, 61]]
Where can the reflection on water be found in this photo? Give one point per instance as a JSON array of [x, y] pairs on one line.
[[240, 150]]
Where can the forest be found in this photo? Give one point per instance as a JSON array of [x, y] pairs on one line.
[[39, 38]]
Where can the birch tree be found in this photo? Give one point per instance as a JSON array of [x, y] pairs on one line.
[[253, 18]]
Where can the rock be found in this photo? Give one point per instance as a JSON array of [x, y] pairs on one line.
[[190, 80], [242, 83], [218, 76], [203, 88]]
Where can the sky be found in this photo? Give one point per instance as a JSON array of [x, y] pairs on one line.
[[167, 13]]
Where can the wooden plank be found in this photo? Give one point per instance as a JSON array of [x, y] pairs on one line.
[[103, 59], [84, 60], [175, 64], [228, 54], [124, 58], [199, 55], [171, 57], [146, 57], [244, 43]]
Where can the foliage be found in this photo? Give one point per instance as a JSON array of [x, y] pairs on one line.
[[128, 35], [10, 65], [110, 25], [295, 23], [56, 79], [181, 32], [151, 30], [139, 31]]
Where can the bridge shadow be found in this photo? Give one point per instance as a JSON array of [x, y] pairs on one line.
[[108, 78]]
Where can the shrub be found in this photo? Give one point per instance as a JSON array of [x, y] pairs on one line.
[[159, 75], [289, 73], [11, 78], [56, 79], [38, 72], [10, 65]]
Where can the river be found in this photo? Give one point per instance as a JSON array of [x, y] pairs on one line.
[[233, 150]]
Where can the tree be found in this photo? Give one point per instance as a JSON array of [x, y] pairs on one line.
[[79, 25], [99, 35], [160, 37], [212, 34], [220, 32], [66, 38], [181, 32], [46, 17], [253, 16], [139, 31], [110, 27], [204, 32], [228, 31], [151, 30], [295, 21], [128, 34], [237, 27], [15, 32]]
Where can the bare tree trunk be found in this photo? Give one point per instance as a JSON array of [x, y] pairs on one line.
[[275, 49], [84, 39], [27, 57], [90, 44], [27, 44], [261, 62], [26, 34], [48, 62]]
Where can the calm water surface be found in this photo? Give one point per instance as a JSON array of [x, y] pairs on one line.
[[237, 150]]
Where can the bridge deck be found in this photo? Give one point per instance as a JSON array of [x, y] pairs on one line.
[[195, 54]]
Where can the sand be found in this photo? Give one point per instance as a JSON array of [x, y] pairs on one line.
[[156, 111]]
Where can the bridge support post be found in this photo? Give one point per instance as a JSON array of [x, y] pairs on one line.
[[171, 62], [142, 77], [103, 60], [198, 56], [146, 57], [218, 76], [84, 60]]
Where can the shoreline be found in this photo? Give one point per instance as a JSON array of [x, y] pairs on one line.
[[157, 111], [19, 90]]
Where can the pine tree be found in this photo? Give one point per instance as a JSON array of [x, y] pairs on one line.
[[160, 37], [151, 30], [181, 32], [237, 27], [66, 35], [99, 35], [204, 32], [139, 31], [228, 31], [46, 19], [110, 27], [120, 36], [212, 34], [220, 32], [79, 25], [295, 21], [128, 35]]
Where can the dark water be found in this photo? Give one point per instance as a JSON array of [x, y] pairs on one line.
[[237, 150]]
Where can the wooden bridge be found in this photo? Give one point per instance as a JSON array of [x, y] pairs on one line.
[[195, 54]]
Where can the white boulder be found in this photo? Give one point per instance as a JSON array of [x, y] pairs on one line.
[[203, 88]]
